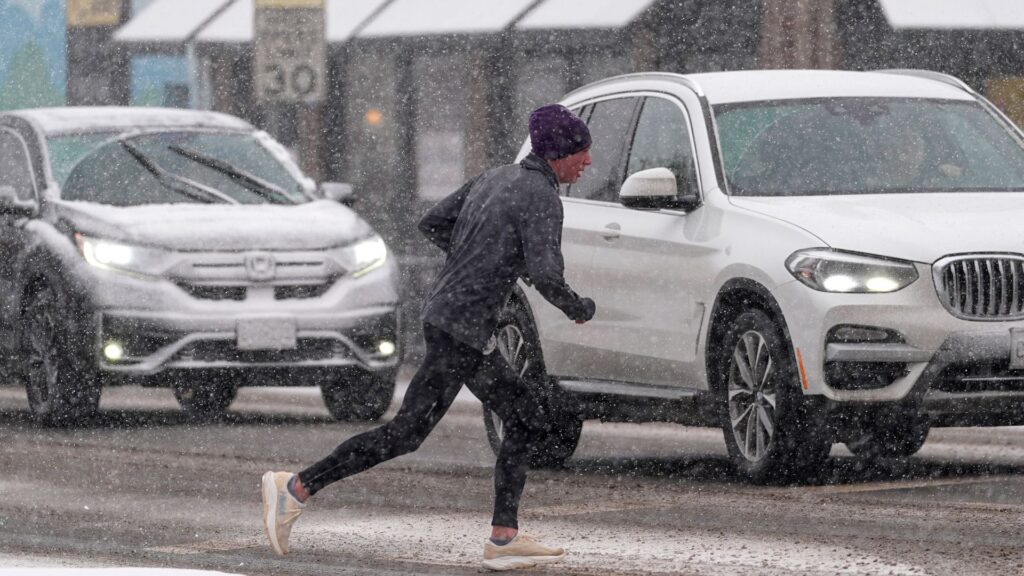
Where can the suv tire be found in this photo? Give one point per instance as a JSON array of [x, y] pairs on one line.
[[516, 340], [359, 396], [772, 431], [61, 383]]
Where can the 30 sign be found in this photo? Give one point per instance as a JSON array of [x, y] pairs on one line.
[[290, 51]]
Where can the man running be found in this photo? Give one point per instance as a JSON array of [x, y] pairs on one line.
[[501, 226]]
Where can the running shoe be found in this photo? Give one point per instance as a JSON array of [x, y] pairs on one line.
[[280, 509], [523, 551]]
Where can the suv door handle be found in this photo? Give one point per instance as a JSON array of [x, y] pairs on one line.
[[611, 231]]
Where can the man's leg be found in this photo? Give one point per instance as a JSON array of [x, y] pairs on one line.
[[525, 418], [448, 363]]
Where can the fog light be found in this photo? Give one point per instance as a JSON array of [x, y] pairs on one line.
[[113, 351], [386, 347]]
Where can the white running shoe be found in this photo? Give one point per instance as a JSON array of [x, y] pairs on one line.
[[280, 509], [523, 551]]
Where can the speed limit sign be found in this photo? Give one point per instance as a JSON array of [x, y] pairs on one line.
[[290, 51]]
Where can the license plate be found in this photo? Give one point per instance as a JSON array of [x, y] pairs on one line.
[[1017, 349], [266, 334]]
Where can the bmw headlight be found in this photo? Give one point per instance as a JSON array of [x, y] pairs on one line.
[[366, 255], [111, 255], [836, 271]]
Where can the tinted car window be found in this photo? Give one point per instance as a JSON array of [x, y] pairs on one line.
[[662, 140], [14, 165], [866, 146], [173, 167], [609, 125]]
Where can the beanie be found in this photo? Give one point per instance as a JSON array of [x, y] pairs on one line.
[[555, 132]]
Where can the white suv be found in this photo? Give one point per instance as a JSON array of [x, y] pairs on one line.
[[799, 257]]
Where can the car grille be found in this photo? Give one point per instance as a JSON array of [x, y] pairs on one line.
[[290, 292], [982, 287]]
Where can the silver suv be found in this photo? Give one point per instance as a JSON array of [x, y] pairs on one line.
[[798, 257], [183, 249]]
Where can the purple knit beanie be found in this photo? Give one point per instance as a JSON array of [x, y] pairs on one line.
[[555, 132]]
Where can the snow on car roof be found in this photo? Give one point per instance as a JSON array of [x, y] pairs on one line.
[[87, 119], [753, 85]]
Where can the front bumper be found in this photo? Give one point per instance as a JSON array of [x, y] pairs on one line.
[[949, 365], [152, 343]]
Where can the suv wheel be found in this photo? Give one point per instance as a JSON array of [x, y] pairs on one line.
[[897, 435], [516, 341], [62, 389], [206, 399], [771, 430], [359, 395]]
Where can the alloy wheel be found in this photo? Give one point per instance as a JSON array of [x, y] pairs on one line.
[[751, 398], [512, 345]]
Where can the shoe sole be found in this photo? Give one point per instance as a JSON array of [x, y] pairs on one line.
[[518, 562], [269, 491]]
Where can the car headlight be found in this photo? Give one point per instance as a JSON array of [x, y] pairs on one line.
[[828, 270], [120, 257], [366, 255]]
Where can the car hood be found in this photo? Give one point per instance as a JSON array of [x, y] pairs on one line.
[[219, 227], [918, 227]]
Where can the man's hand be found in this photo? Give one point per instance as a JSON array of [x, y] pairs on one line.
[[588, 310]]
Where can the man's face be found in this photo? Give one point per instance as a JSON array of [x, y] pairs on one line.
[[569, 169]]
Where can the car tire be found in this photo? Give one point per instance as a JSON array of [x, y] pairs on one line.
[[516, 340], [773, 432], [61, 382], [891, 436], [359, 396], [206, 399]]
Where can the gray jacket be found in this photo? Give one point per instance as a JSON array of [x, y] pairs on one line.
[[503, 225]]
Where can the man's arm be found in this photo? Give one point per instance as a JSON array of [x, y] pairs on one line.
[[437, 224], [541, 231]]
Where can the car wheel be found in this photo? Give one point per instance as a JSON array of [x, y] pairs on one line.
[[359, 395], [894, 436], [772, 431], [62, 388], [516, 341], [206, 399]]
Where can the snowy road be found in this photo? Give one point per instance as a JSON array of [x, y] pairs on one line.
[[143, 488]]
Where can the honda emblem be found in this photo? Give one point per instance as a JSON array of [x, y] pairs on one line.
[[260, 266]]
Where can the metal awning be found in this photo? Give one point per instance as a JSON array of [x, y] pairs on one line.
[[167, 25], [235, 25], [583, 14], [954, 14], [428, 17]]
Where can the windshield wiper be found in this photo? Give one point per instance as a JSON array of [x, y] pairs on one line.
[[249, 181], [172, 181]]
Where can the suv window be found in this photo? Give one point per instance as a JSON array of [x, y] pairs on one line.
[[609, 124], [662, 140], [866, 146], [15, 169]]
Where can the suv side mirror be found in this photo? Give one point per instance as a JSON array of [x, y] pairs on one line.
[[11, 205], [339, 192], [656, 188]]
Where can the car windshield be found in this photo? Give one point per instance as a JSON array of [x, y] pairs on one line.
[[866, 146], [170, 167]]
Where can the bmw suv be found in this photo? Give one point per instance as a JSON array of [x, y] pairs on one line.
[[183, 249], [800, 258]]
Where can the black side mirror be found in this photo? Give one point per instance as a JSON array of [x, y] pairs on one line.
[[339, 192], [11, 205], [656, 188]]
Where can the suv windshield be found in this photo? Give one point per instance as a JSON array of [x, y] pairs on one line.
[[170, 167], [866, 146]]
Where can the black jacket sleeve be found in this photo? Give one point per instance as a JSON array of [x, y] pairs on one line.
[[540, 227], [437, 224]]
